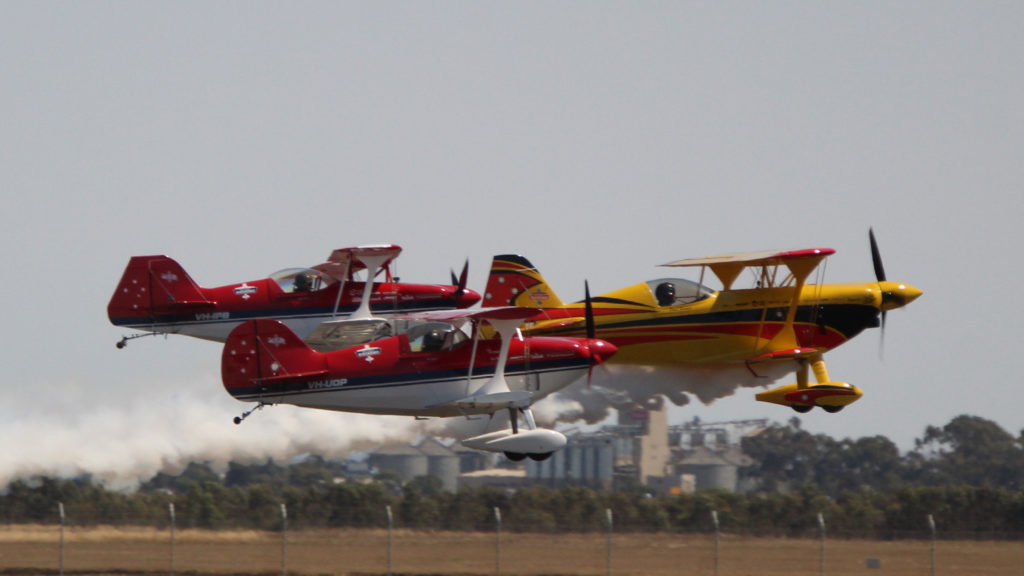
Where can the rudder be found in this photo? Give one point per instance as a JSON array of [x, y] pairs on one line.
[[151, 285], [515, 281], [261, 355]]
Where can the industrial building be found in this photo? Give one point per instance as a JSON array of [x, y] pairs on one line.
[[641, 449]]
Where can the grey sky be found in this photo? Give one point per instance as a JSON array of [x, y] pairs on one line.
[[598, 139]]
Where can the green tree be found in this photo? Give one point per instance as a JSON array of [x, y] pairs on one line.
[[969, 450]]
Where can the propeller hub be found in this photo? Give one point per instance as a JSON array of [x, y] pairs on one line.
[[599, 349], [467, 298], [897, 295]]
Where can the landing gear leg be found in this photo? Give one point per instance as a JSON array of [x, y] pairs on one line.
[[124, 339], [246, 414]]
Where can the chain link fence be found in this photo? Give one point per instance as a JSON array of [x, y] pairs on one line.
[[390, 546]]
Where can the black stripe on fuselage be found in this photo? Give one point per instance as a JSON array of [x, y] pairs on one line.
[[395, 380], [846, 319], [199, 318]]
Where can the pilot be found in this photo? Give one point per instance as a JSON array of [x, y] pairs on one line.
[[433, 341], [665, 293], [304, 282]]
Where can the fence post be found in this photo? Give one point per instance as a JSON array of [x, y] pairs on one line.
[[608, 561], [284, 540], [388, 510], [170, 511], [497, 541], [714, 520], [821, 528], [931, 527], [60, 511]]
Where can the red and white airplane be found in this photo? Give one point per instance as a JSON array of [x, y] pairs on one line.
[[431, 368], [157, 296]]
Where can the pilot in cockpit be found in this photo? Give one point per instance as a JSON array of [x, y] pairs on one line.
[[303, 282], [665, 293], [433, 341]]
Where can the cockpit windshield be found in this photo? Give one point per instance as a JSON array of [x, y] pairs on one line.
[[435, 336], [678, 291], [299, 280]]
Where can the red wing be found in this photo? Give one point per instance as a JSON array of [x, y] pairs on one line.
[[767, 258], [495, 313], [344, 261]]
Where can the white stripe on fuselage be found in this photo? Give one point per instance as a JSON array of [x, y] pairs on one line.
[[218, 330], [417, 397]]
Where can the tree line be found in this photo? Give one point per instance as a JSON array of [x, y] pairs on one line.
[[967, 475]]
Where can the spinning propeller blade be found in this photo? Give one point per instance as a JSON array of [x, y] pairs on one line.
[[589, 310], [876, 257], [876, 261], [460, 281], [591, 329]]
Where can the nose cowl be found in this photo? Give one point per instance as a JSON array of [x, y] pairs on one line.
[[600, 350], [467, 298], [896, 295]]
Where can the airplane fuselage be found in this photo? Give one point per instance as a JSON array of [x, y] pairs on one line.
[[724, 327], [155, 294], [387, 377]]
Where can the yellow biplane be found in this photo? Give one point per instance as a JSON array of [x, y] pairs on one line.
[[676, 322]]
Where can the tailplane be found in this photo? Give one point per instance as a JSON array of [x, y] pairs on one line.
[[152, 285], [515, 281], [260, 356]]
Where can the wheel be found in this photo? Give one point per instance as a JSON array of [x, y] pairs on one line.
[[801, 408], [832, 409], [515, 456], [540, 457]]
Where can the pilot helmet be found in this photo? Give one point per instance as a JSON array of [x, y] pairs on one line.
[[303, 282], [665, 293]]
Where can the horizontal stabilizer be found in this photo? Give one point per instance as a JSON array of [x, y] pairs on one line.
[[153, 285], [294, 377], [190, 304]]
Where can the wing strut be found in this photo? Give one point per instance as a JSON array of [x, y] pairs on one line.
[[341, 290], [373, 263]]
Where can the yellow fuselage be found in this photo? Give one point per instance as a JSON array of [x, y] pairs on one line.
[[724, 327]]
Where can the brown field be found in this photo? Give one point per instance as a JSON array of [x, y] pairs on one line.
[[31, 550]]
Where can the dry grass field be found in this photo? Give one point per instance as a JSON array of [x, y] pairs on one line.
[[30, 550]]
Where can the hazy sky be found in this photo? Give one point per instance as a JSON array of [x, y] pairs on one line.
[[598, 139]]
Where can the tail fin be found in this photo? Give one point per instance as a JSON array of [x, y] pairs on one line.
[[151, 285], [514, 281], [261, 355]]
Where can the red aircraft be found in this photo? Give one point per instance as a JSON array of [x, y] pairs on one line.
[[432, 368], [157, 296]]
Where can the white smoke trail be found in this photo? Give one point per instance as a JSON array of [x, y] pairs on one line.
[[124, 443], [129, 439], [628, 386]]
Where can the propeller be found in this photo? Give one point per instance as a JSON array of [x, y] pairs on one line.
[[460, 281], [894, 294], [588, 311], [588, 308], [876, 261]]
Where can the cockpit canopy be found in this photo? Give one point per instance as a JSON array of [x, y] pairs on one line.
[[435, 336], [678, 291], [299, 280]]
